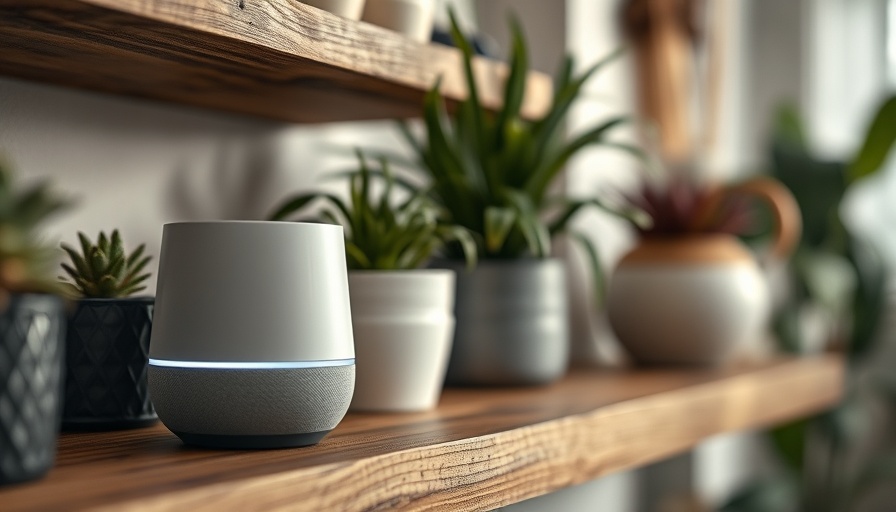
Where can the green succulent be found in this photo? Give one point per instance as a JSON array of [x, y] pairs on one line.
[[26, 260], [492, 172], [380, 232], [104, 269]]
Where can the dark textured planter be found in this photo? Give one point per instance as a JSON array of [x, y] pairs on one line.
[[32, 331], [107, 349], [512, 323]]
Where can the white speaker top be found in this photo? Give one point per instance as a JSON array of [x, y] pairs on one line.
[[252, 292]]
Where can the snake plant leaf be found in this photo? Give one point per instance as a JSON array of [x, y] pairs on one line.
[[515, 85], [878, 141], [566, 91], [545, 174], [534, 231], [472, 89], [498, 222]]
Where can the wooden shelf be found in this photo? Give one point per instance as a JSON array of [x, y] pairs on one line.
[[481, 449], [277, 59]]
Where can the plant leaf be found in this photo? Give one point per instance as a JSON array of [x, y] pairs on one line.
[[879, 139], [498, 222]]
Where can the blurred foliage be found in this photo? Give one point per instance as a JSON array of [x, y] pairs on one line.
[[382, 233], [26, 259], [831, 462]]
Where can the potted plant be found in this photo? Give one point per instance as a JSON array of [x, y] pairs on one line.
[[690, 292], [401, 314], [107, 341], [494, 174], [32, 328]]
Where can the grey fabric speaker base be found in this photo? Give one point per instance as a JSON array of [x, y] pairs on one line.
[[252, 442], [251, 408]]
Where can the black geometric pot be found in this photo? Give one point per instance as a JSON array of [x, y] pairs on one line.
[[32, 333], [107, 349]]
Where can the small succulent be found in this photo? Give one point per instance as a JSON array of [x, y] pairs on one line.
[[681, 205], [380, 232], [104, 269], [26, 261]]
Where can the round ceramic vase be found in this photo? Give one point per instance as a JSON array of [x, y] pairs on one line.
[[412, 18], [695, 299], [512, 326], [687, 301], [350, 9], [403, 325]]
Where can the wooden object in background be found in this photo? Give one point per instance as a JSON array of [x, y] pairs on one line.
[[278, 59], [481, 449]]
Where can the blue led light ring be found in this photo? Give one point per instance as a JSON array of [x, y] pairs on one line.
[[235, 365]]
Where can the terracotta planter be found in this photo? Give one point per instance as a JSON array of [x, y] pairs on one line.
[[403, 326], [694, 300]]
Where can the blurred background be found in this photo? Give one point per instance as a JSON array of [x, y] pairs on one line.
[[727, 76]]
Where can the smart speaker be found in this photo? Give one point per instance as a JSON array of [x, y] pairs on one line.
[[252, 338]]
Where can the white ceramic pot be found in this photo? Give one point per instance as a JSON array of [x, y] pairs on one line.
[[687, 300], [350, 9], [413, 18], [693, 300], [403, 324]]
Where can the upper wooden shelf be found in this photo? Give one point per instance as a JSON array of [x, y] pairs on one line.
[[481, 449], [277, 59]]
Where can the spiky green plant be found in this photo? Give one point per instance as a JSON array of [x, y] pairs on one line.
[[26, 260], [492, 172], [104, 270], [380, 233]]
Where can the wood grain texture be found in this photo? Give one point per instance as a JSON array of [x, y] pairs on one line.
[[277, 59], [481, 449]]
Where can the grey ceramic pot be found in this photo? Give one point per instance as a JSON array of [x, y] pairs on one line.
[[512, 325], [107, 351], [32, 333]]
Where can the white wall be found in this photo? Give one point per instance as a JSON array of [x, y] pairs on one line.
[[135, 165]]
